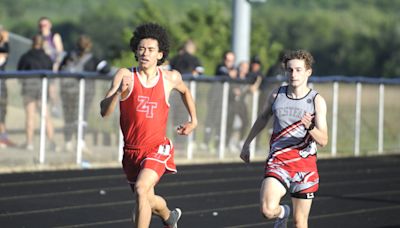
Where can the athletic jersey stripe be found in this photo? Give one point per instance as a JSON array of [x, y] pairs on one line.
[[285, 131]]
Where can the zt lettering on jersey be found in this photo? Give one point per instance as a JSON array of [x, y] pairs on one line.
[[146, 106]]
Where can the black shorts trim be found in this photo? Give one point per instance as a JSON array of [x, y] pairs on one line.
[[308, 195]]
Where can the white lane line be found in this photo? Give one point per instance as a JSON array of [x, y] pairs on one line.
[[123, 188], [182, 173], [125, 202], [181, 183], [330, 215]]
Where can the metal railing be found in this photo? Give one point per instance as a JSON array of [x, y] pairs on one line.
[[343, 114]]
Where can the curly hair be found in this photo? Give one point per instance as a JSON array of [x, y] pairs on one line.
[[298, 54], [152, 31]]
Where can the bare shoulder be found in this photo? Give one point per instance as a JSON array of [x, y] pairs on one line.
[[319, 99], [320, 103], [274, 93], [56, 36], [121, 72], [4, 34], [172, 76]]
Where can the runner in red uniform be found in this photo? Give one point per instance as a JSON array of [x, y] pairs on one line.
[[143, 94], [299, 125]]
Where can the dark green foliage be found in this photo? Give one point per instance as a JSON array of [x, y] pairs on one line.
[[357, 37]]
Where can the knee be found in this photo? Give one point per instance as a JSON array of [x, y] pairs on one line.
[[267, 211], [300, 221], [141, 189]]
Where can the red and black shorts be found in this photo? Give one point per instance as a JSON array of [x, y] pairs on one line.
[[300, 184]]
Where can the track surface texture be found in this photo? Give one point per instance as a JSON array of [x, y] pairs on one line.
[[354, 192]]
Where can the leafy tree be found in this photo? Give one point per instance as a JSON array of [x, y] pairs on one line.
[[105, 25], [210, 30], [359, 37]]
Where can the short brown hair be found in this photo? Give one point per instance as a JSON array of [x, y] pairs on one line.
[[298, 54]]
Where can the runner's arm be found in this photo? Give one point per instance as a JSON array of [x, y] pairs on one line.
[[119, 86], [188, 101]]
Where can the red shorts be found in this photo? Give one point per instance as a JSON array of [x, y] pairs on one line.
[[300, 184], [159, 158]]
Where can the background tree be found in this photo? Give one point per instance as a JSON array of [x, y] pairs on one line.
[[359, 37]]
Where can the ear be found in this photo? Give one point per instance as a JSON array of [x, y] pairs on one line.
[[309, 72], [160, 55]]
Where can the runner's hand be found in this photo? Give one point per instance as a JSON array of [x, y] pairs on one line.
[[245, 153], [307, 120], [185, 129], [124, 85]]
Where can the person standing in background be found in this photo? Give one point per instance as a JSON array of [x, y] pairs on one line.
[[54, 48], [80, 60], [237, 107], [212, 123], [4, 50], [186, 63], [52, 42], [35, 59]]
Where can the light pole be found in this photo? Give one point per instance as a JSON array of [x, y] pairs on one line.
[[242, 28]]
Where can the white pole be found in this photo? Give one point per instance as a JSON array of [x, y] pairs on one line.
[[357, 121], [191, 136], [381, 117], [241, 12], [43, 116], [224, 118], [254, 114], [80, 121], [334, 118]]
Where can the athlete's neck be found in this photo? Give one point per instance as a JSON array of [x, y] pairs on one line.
[[297, 92], [148, 75]]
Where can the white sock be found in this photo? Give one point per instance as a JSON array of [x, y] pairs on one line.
[[282, 212]]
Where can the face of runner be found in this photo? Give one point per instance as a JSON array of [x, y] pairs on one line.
[[148, 53], [297, 72]]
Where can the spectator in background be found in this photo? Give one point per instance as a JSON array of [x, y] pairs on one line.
[[4, 50], [255, 73], [52, 42], [53, 46], [275, 71], [212, 123], [80, 60], [35, 59], [237, 106], [186, 61]]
